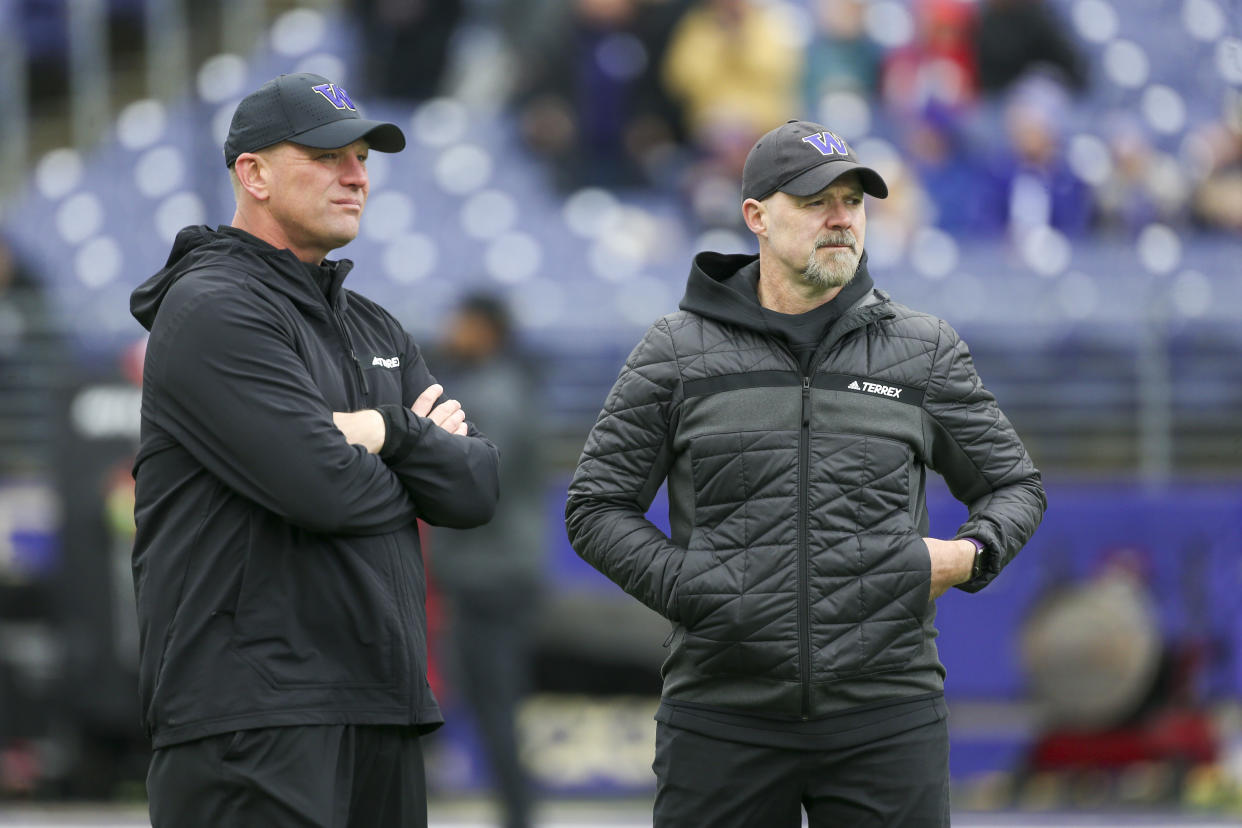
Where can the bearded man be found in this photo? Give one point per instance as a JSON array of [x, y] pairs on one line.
[[795, 411]]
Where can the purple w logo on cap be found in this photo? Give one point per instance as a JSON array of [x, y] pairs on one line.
[[335, 95], [827, 143]]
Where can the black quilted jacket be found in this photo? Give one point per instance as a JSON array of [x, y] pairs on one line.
[[795, 575]]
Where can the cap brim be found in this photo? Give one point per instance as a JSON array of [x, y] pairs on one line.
[[817, 178], [381, 136]]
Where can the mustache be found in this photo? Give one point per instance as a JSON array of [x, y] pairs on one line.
[[832, 240]]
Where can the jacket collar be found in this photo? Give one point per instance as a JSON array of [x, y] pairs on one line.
[[278, 269], [707, 293]]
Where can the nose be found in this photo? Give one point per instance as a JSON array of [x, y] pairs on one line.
[[838, 217], [353, 172]]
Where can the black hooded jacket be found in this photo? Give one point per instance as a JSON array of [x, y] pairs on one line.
[[795, 573], [277, 567]]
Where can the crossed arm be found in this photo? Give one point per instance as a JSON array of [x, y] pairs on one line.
[[453, 482], [367, 429]]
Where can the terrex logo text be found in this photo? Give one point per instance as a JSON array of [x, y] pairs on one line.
[[827, 143], [875, 388], [391, 362], [335, 95]]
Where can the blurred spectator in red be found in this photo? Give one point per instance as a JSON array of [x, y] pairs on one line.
[[734, 66], [407, 45], [841, 57], [1033, 185], [594, 104], [1015, 36], [939, 63]]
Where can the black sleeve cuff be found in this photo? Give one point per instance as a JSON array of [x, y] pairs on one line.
[[396, 433], [989, 562]]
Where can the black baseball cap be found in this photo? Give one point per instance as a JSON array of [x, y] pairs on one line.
[[801, 158], [306, 109]]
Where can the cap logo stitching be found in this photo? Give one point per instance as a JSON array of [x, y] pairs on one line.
[[335, 95], [827, 143]]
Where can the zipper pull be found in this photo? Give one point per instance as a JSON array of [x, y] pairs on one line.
[[362, 374], [806, 402]]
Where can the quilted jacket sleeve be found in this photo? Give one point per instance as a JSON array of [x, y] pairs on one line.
[[622, 466], [976, 449]]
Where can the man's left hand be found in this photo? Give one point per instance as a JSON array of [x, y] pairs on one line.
[[951, 563], [447, 415]]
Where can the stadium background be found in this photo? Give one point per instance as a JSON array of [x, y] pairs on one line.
[[1079, 222]]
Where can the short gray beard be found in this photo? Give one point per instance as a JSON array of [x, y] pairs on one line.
[[841, 269]]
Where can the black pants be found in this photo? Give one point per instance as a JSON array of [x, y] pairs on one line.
[[329, 776], [901, 781], [491, 641]]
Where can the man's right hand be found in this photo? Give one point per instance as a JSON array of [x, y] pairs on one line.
[[364, 428], [447, 415], [951, 563]]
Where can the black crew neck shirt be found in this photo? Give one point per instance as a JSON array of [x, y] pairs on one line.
[[803, 332]]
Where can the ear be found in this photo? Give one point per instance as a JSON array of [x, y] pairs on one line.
[[756, 216], [254, 175]]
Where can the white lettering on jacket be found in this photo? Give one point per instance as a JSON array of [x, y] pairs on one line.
[[886, 390]]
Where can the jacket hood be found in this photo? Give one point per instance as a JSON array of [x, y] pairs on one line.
[[709, 294], [237, 251]]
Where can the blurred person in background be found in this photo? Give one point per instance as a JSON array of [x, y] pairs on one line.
[[949, 172], [492, 577], [795, 412], [408, 43], [1216, 202], [1142, 185], [500, 47], [1032, 184], [292, 435], [30, 341], [1015, 37], [733, 66], [22, 308], [593, 104], [841, 56], [108, 752], [938, 64]]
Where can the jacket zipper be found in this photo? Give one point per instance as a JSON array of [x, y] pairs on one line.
[[348, 342], [804, 549], [859, 319], [353, 356]]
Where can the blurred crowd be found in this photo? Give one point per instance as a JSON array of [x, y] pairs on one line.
[[974, 104]]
